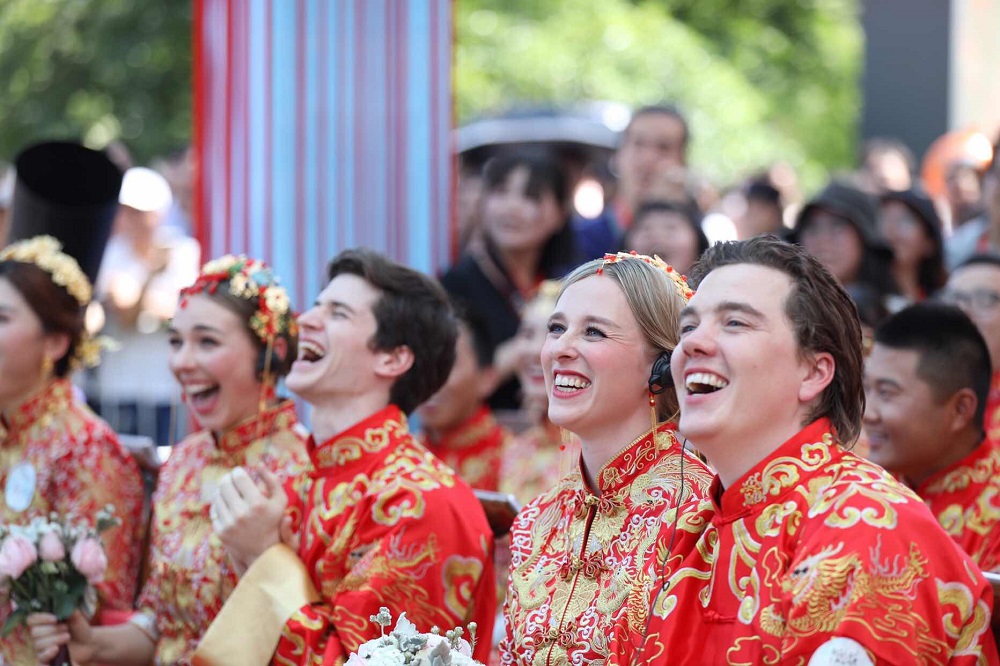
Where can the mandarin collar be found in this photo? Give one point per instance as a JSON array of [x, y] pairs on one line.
[[279, 417], [979, 465], [55, 397], [768, 481], [634, 459], [373, 434], [468, 433]]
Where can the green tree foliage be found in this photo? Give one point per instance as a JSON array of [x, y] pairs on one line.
[[96, 70], [760, 80]]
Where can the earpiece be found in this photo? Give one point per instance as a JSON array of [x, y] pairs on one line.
[[660, 378]]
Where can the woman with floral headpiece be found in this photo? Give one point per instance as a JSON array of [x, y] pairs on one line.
[[57, 456], [233, 335], [585, 554]]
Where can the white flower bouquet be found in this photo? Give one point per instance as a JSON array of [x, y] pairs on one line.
[[405, 645]]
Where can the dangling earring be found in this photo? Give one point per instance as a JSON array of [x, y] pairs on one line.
[[652, 415], [47, 365]]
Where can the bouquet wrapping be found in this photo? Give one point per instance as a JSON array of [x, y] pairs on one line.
[[405, 645]]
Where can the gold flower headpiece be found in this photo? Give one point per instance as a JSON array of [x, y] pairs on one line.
[[250, 280], [679, 281], [46, 253]]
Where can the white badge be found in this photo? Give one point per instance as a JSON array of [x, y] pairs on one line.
[[841, 651], [20, 488]]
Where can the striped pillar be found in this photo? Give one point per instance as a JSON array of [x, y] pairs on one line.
[[322, 125]]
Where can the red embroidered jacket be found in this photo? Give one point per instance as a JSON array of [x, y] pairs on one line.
[[965, 499], [57, 456], [189, 572], [816, 553], [385, 523], [582, 561], [473, 449]]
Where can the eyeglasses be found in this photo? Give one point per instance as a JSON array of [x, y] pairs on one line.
[[980, 299]]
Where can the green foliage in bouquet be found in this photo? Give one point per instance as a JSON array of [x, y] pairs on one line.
[[51, 566]]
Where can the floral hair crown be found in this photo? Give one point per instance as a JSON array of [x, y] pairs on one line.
[[46, 253], [679, 281], [254, 281]]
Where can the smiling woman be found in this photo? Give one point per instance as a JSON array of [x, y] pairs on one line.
[[56, 455], [590, 548], [233, 335]]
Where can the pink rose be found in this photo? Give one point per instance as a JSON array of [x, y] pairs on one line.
[[89, 559], [17, 553], [51, 548]]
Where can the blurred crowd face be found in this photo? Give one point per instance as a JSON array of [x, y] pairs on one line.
[[887, 170], [531, 336], [214, 359], [653, 145], [907, 426], [976, 289], [596, 362], [905, 233], [964, 191], [991, 193], [461, 395], [517, 222], [23, 345], [835, 242], [667, 234], [759, 218]]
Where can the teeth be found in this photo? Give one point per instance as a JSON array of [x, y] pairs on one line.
[[571, 381], [310, 351], [699, 381], [192, 389]]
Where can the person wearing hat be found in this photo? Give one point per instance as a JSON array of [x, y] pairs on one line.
[[910, 225], [144, 269], [839, 227]]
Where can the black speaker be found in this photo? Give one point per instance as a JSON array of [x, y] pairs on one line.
[[660, 378]]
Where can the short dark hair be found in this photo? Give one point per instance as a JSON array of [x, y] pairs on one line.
[[822, 314], [413, 311], [477, 328], [952, 352], [688, 210], [663, 110], [56, 309]]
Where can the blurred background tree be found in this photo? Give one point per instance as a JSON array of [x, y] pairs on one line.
[[96, 70], [760, 80]]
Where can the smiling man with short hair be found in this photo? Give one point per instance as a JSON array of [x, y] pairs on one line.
[[812, 555]]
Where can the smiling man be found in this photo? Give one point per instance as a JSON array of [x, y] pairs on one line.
[[813, 555], [378, 520], [926, 383]]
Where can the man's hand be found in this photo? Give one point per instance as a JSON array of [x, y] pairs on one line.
[[246, 517], [47, 634]]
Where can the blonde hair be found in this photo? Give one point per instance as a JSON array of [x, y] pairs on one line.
[[655, 302]]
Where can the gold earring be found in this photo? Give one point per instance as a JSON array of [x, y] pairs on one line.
[[47, 365], [652, 413]]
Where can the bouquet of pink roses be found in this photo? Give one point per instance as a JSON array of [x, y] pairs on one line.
[[51, 566]]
